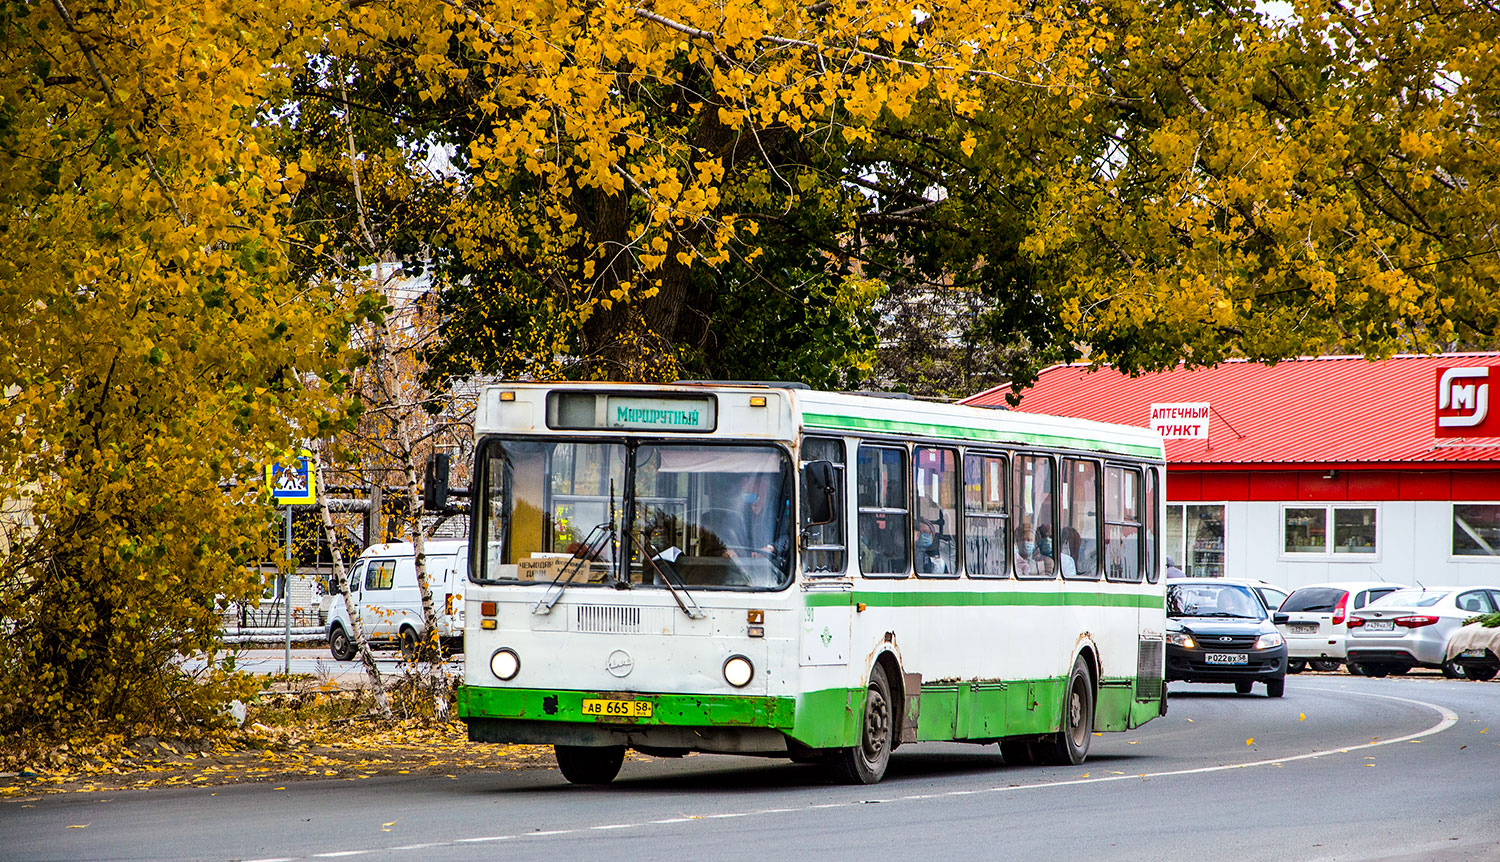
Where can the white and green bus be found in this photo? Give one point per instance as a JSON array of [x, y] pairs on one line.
[[769, 570]]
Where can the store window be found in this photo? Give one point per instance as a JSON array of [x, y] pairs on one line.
[[1195, 540], [1306, 530], [1476, 529]]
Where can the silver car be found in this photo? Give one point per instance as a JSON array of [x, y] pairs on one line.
[[1410, 628], [1316, 615]]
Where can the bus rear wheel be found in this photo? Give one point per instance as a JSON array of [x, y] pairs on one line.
[[866, 763], [583, 764], [1070, 745]]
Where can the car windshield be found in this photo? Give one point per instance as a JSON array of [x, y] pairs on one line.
[[1313, 599], [636, 514], [1213, 600], [1410, 598]]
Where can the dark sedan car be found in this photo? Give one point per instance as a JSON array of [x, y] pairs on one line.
[[1220, 632]]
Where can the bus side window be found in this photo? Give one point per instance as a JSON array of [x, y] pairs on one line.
[[1032, 485], [936, 484], [825, 551], [1122, 523], [1076, 542], [986, 524], [1148, 523], [884, 519]]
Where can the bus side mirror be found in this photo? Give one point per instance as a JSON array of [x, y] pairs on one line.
[[822, 493], [435, 483]]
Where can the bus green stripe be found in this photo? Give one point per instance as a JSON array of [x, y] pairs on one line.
[[964, 432], [959, 599]]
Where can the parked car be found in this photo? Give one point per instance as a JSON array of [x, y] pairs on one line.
[[1410, 628], [1317, 620], [1475, 649], [383, 585], [1221, 631], [1270, 595]]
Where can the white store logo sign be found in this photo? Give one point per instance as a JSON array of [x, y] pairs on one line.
[[1465, 391]]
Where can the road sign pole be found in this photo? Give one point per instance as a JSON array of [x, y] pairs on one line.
[[286, 591]]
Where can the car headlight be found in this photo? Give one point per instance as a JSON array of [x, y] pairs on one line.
[[1182, 639], [505, 664], [738, 671], [1267, 641]]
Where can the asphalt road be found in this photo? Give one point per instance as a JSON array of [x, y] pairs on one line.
[[1342, 768]]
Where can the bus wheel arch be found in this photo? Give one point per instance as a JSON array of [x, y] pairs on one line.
[[1069, 745], [891, 664], [865, 762]]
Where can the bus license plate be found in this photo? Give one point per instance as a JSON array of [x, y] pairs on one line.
[[1226, 658], [618, 708]]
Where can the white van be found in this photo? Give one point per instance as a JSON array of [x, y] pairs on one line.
[[383, 585]]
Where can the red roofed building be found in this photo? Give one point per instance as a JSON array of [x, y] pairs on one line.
[[1320, 469]]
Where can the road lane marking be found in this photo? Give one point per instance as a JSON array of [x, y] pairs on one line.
[[1447, 719]]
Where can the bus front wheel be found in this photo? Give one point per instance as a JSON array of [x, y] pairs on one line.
[[865, 763], [1070, 745], [583, 764]]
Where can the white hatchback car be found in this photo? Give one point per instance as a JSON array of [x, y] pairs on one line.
[[1317, 620], [1410, 628]]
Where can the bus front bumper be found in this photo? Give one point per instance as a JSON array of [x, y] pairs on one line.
[[688, 722]]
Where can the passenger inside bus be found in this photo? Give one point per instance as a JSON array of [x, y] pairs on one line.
[[934, 550], [1030, 562]]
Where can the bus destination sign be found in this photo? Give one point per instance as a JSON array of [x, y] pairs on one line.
[[674, 414]]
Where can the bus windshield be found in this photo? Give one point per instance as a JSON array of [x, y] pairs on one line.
[[635, 514]]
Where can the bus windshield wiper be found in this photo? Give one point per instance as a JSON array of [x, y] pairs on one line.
[[584, 553], [665, 570]]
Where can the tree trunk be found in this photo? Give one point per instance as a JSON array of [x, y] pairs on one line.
[[367, 658]]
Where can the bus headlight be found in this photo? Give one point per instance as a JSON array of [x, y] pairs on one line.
[[738, 671], [505, 664]]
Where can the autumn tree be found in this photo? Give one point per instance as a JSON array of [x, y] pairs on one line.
[[634, 192], [1264, 186], [158, 350]]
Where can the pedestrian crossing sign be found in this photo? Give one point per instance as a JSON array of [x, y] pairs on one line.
[[292, 483]]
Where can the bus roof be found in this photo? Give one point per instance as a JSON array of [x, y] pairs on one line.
[[811, 411]]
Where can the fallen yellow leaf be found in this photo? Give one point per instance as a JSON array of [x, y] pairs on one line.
[[1302, 716], [1250, 741], [81, 826]]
